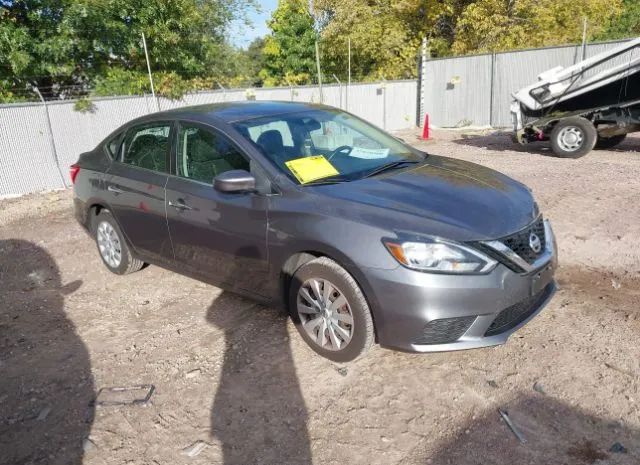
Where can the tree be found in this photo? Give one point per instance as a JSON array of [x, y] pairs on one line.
[[381, 43], [626, 24], [289, 51], [67, 44], [250, 62], [496, 25], [386, 34]]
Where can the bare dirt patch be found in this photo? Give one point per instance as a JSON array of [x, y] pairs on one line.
[[236, 385]]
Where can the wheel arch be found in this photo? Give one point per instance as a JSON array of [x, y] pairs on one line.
[[94, 209], [298, 259], [553, 122]]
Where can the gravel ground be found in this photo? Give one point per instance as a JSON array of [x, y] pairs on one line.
[[236, 385]]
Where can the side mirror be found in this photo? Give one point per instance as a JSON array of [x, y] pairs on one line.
[[234, 181]]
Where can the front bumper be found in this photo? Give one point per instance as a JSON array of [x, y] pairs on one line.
[[426, 312]]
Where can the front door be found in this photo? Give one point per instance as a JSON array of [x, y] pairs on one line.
[[220, 237], [135, 185]]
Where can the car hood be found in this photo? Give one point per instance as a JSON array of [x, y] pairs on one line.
[[444, 197]]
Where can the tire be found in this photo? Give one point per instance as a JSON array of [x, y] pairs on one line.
[[573, 137], [109, 236], [605, 143], [341, 341]]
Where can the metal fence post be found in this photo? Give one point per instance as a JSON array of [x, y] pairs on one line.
[[492, 88], [422, 65], [381, 90], [319, 72], [339, 90], [346, 97], [51, 139], [224, 91], [146, 54], [584, 38]]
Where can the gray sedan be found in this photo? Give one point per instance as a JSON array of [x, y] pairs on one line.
[[361, 237]]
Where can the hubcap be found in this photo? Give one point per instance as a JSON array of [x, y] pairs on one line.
[[325, 314], [109, 244], [570, 138]]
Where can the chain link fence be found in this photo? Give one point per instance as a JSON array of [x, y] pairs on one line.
[[34, 153]]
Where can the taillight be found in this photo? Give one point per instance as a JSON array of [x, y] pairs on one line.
[[73, 172]]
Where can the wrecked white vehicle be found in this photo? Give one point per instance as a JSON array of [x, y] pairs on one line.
[[594, 103]]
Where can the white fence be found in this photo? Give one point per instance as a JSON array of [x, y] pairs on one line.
[[28, 161], [476, 90]]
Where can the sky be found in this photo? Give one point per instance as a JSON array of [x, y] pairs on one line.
[[242, 35]]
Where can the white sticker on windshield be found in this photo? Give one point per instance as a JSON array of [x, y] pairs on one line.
[[370, 154]]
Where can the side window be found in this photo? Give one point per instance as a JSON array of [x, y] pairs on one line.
[[112, 146], [146, 146], [203, 154]]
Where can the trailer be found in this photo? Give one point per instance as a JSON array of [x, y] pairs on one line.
[[592, 104]]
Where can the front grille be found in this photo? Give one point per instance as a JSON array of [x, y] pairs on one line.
[[519, 242], [444, 330], [512, 316]]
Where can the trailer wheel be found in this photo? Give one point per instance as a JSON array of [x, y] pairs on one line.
[[573, 137], [609, 142]]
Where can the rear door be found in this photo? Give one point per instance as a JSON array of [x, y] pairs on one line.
[[220, 237], [135, 185]]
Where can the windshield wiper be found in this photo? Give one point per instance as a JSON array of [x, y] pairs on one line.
[[329, 180], [389, 166]]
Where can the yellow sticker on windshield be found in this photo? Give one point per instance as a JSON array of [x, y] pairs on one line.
[[310, 169]]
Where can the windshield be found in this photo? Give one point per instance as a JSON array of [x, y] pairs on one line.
[[326, 145]]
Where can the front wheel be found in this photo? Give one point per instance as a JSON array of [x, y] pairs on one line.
[[573, 137], [330, 311], [605, 143]]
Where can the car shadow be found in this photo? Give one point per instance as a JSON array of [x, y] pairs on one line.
[[258, 413], [46, 385], [555, 433], [501, 141]]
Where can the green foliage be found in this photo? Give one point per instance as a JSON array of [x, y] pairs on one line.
[[252, 61], [289, 51], [170, 85], [79, 48], [626, 24], [119, 81], [496, 25], [55, 44], [386, 34], [84, 105]]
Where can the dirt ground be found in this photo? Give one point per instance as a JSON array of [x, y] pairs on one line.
[[234, 383]]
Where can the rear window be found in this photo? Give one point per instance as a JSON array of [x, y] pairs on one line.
[[282, 127]]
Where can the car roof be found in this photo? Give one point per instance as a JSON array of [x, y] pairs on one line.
[[231, 112]]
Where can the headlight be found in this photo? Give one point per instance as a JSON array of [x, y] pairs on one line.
[[440, 256]]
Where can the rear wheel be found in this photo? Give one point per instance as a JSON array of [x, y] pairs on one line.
[[330, 311], [609, 142], [113, 249], [573, 137]]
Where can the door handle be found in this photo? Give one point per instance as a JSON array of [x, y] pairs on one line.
[[180, 206], [114, 189]]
